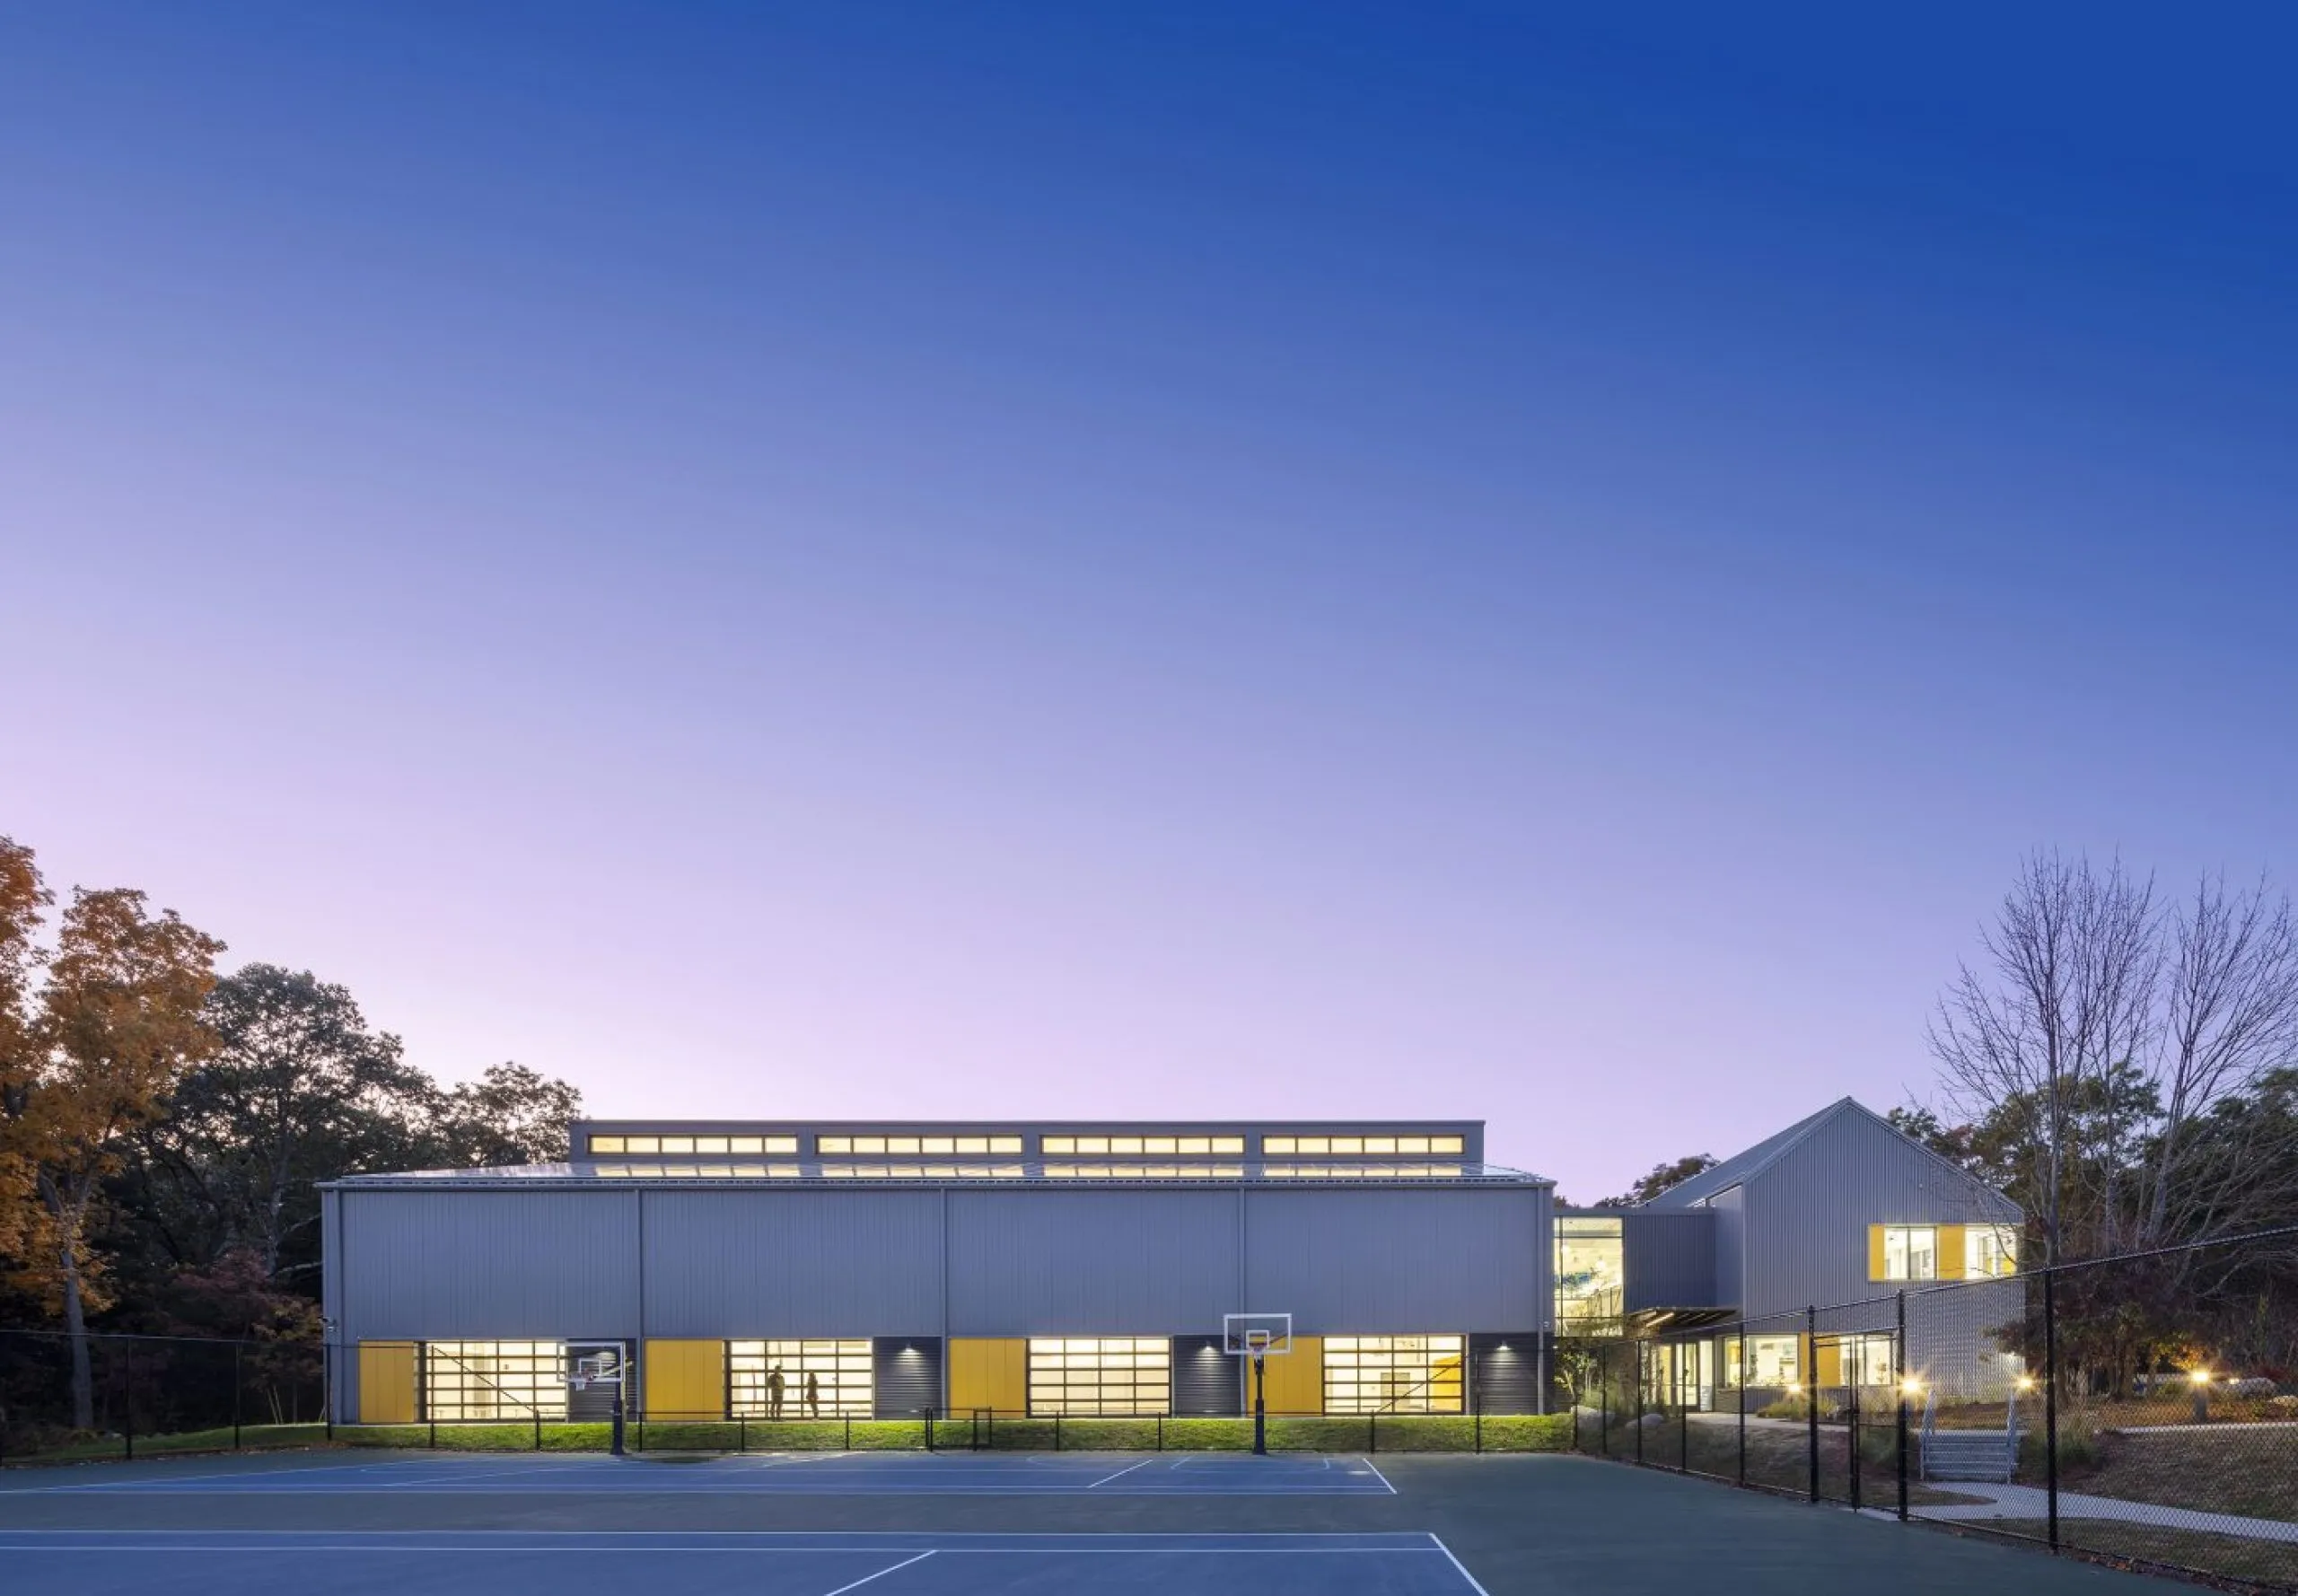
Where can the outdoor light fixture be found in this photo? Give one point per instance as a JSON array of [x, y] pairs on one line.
[[2201, 1376], [2026, 1382], [1795, 1388], [1913, 1388]]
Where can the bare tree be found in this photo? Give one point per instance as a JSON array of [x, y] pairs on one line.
[[2132, 1054], [2064, 998]]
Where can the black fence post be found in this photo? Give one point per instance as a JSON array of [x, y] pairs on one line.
[[128, 1411], [327, 1384], [1683, 1413], [1642, 1356], [2050, 1399], [537, 1429], [1743, 1403], [1899, 1344], [235, 1396], [929, 1432], [1372, 1431], [1603, 1409], [1851, 1424], [1811, 1394], [1479, 1423]]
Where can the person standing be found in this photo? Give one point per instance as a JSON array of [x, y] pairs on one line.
[[774, 1383], [813, 1395]]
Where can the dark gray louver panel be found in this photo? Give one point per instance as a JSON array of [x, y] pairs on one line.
[[907, 1371], [1505, 1371], [1205, 1379]]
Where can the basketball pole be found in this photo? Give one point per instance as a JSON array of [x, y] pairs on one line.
[[1260, 1405], [615, 1412]]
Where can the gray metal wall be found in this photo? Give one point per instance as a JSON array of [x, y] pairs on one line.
[[1091, 1262], [736, 1262], [1807, 1216], [1669, 1257], [1207, 1383], [1392, 1262], [1504, 1373], [488, 1265]]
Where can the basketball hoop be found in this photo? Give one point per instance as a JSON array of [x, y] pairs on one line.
[[1259, 1336]]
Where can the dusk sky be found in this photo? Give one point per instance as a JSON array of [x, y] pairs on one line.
[[984, 560]]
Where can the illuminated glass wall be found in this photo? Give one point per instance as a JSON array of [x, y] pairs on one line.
[[1395, 1373], [819, 1379], [494, 1379], [1101, 1375]]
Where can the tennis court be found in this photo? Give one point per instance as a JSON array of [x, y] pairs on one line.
[[422, 1563], [345, 1523]]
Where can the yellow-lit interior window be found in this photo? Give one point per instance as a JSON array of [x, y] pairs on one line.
[[818, 1378], [608, 1144], [642, 1144], [1285, 1145], [1395, 1373], [1445, 1144], [1064, 1145], [833, 1143], [679, 1144], [1099, 1375], [494, 1379]]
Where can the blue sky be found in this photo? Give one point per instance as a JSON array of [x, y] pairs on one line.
[[1001, 559]]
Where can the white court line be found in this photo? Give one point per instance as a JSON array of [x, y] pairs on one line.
[[1456, 1562], [1121, 1473], [1383, 1478], [145, 1481], [882, 1574]]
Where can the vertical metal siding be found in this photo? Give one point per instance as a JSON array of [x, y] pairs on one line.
[[1071, 1262], [739, 1263], [1669, 1257], [489, 1265], [906, 1373], [1807, 1216], [1729, 1208], [1390, 1261]]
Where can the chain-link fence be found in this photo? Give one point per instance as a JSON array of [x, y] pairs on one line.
[[137, 1395], [2142, 1408]]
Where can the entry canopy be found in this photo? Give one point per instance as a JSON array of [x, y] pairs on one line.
[[1256, 1335]]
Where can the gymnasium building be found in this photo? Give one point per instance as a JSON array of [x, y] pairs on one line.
[[885, 1269], [834, 1270]]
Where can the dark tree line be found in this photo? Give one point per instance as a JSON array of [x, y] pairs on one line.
[[163, 1129]]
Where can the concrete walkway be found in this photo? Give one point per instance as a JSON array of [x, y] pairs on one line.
[[2030, 1502]]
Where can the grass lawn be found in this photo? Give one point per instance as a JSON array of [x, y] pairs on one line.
[[95, 1448], [2226, 1555], [2250, 1472]]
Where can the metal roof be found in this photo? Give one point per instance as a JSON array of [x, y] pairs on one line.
[[972, 1173]]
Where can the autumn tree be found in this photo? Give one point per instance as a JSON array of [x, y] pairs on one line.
[[118, 1022], [509, 1115]]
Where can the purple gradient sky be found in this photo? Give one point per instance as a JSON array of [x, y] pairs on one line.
[[1307, 560]]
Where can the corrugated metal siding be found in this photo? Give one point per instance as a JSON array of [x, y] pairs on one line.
[[1398, 1262], [1671, 1258], [1111, 1263], [906, 1372], [1504, 1372], [739, 1263], [1807, 1216], [488, 1264], [1731, 1240], [1206, 1382]]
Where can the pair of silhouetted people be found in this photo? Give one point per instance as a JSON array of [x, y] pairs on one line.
[[775, 1385]]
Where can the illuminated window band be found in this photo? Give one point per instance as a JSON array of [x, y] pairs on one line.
[[1099, 1375], [923, 1172], [1361, 1146], [1361, 1171], [914, 1145], [1393, 1373], [839, 1370], [487, 1380], [685, 1145], [1072, 1146], [1145, 1172], [700, 1172]]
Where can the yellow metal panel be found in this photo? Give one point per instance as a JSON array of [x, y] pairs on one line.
[[1830, 1362], [1951, 1252], [387, 1383], [991, 1372], [1875, 1253], [685, 1380], [1295, 1380], [1445, 1385]]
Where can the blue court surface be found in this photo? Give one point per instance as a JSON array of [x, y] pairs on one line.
[[828, 1474], [431, 1562]]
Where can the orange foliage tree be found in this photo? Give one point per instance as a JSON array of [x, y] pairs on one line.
[[118, 1022]]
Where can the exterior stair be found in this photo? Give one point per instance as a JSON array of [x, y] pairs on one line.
[[1968, 1454]]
